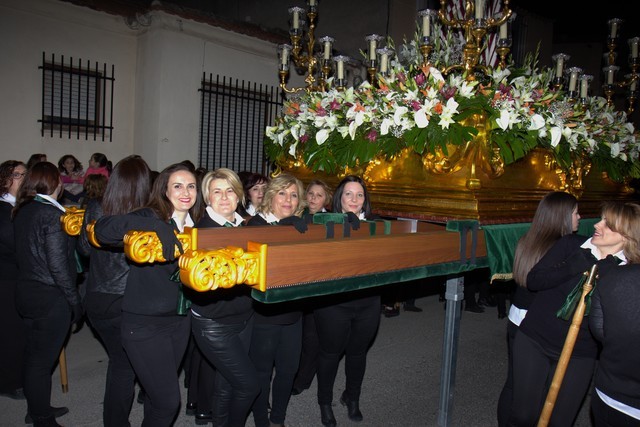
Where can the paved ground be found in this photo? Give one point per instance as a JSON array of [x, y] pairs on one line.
[[401, 387]]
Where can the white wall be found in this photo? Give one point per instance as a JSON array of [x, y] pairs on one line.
[[158, 69]]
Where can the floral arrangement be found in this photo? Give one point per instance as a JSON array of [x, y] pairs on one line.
[[419, 108]]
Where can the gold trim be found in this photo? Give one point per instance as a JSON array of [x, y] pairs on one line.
[[72, 220]]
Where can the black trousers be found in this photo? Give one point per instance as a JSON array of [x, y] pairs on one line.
[[309, 356], [506, 396], [346, 328], [12, 337], [606, 416], [47, 318], [120, 382], [533, 371], [155, 346], [235, 386], [279, 346]]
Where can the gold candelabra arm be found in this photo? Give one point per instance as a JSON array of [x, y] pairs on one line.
[[71, 220], [283, 83], [204, 270]]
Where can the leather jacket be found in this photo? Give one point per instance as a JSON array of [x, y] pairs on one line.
[[45, 252]]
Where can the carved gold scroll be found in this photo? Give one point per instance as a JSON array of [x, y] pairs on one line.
[[72, 220]]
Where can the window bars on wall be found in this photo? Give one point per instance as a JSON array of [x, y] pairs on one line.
[[233, 118], [77, 99]]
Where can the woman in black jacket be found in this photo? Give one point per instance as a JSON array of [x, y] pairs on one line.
[[349, 323], [47, 297], [277, 331], [222, 321], [541, 336], [154, 335], [128, 189]]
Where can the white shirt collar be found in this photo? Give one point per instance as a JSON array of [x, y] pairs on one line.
[[596, 252], [220, 220], [53, 201], [9, 198], [269, 217], [188, 222]]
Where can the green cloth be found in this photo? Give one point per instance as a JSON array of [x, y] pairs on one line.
[[502, 239]]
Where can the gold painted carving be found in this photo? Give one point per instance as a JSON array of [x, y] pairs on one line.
[[145, 247], [220, 268], [72, 220]]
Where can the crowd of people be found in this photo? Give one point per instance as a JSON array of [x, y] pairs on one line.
[[243, 358]]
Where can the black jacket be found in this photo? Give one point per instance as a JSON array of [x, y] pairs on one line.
[[615, 322], [229, 306], [45, 252], [150, 290], [8, 262], [553, 278]]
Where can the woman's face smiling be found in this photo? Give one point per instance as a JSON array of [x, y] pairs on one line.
[[352, 198], [222, 199], [182, 190], [285, 202], [609, 242]]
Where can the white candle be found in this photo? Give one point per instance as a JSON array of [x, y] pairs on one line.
[[633, 85], [559, 66], [634, 49], [312, 2], [503, 31], [340, 70], [572, 81], [610, 76], [426, 26], [584, 87], [384, 58], [614, 29], [296, 21], [372, 49], [285, 56], [327, 50], [479, 9]]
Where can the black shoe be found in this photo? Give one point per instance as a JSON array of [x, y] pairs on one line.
[[191, 408], [327, 417], [204, 418], [391, 311], [353, 408], [474, 308], [17, 394], [56, 412], [413, 308], [487, 302]]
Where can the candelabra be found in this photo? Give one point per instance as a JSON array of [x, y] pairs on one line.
[[475, 24], [630, 82]]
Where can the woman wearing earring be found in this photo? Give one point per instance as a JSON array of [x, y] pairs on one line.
[[349, 323], [222, 322], [154, 335], [541, 336]]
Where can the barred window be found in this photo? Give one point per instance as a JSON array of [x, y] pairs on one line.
[[77, 99]]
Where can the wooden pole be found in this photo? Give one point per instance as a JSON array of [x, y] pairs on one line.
[[567, 349], [64, 380]]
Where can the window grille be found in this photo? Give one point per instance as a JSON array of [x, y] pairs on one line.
[[233, 118], [77, 99]]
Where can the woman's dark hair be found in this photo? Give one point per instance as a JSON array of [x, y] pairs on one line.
[[77, 166], [36, 158], [158, 200], [95, 186], [128, 188], [337, 197], [249, 181], [552, 220], [102, 160], [6, 174], [42, 178]]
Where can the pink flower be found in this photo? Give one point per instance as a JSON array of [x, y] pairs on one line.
[[334, 105], [420, 79], [372, 135], [304, 138], [415, 105]]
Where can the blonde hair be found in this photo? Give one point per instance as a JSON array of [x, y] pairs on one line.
[[624, 218], [225, 174], [279, 183]]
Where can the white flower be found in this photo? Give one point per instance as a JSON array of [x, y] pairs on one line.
[[321, 136], [556, 135], [385, 125], [420, 117], [537, 122], [292, 149], [397, 116]]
